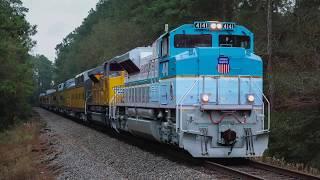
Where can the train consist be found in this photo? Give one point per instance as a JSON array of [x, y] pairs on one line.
[[198, 87]]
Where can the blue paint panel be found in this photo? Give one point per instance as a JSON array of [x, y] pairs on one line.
[[257, 88], [187, 67], [210, 88], [172, 67], [164, 69], [206, 60], [228, 91], [182, 86], [164, 95], [154, 93], [254, 87], [245, 88], [232, 52]]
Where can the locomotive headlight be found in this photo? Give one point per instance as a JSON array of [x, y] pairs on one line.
[[250, 98], [219, 26], [216, 26], [205, 98], [213, 26]]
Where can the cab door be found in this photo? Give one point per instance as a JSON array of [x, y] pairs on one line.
[[164, 56]]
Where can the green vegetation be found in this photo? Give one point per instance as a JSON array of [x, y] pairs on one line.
[[16, 83], [19, 72], [296, 136], [42, 75], [119, 25]]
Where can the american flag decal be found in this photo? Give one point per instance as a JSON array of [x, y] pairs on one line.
[[223, 65]]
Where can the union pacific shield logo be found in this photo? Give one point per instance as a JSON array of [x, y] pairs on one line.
[[223, 65]]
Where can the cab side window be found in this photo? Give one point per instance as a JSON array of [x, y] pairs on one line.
[[165, 46], [234, 41]]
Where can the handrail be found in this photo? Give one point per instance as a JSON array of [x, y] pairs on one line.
[[86, 102], [179, 107], [269, 109], [112, 114], [261, 99], [263, 106], [111, 103]]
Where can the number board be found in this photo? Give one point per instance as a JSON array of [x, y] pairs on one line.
[[205, 25], [201, 25], [228, 26]]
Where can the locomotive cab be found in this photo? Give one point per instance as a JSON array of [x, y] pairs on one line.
[[206, 38]]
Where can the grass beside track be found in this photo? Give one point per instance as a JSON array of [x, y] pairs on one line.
[[19, 154]]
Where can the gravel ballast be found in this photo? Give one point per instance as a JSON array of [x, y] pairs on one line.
[[85, 153]]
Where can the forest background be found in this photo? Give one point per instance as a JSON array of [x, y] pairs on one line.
[[116, 26]]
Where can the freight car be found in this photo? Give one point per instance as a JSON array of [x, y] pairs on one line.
[[198, 87]]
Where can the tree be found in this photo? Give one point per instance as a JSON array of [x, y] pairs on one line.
[[42, 75], [15, 71]]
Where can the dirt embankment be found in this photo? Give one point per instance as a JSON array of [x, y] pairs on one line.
[[22, 149]]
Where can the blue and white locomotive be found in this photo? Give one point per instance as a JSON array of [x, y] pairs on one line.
[[199, 87]]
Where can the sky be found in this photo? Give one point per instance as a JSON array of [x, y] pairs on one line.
[[55, 19]]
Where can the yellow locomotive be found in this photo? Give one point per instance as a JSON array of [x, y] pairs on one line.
[[86, 96]]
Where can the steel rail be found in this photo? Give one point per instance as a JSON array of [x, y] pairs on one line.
[[280, 170], [230, 171]]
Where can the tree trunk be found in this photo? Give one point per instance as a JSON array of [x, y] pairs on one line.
[[269, 51]]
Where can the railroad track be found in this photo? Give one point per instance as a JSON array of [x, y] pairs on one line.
[[242, 169], [248, 169], [234, 169]]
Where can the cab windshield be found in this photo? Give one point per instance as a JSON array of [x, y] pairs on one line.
[[234, 41], [191, 41]]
